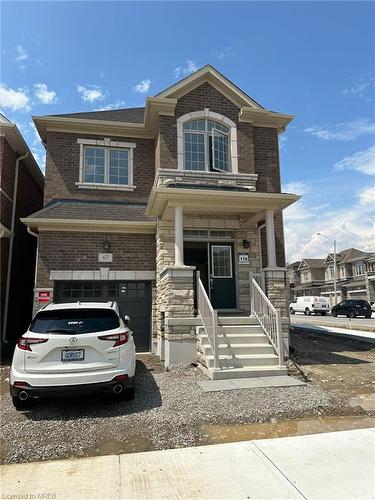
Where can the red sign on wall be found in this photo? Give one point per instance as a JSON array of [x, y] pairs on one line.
[[44, 296]]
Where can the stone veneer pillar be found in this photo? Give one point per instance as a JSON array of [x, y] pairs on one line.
[[177, 343], [277, 293]]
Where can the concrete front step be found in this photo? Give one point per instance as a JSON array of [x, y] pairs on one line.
[[235, 349], [232, 339], [244, 360], [238, 329], [246, 372], [237, 320]]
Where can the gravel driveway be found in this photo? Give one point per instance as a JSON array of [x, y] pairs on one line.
[[169, 411]]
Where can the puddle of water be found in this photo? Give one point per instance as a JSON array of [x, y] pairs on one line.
[[131, 444], [213, 434], [365, 401]]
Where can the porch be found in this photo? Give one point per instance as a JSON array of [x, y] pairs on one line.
[[212, 239]]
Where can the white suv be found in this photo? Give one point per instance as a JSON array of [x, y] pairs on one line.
[[82, 347]]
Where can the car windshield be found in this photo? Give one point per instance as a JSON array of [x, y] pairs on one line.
[[73, 321]]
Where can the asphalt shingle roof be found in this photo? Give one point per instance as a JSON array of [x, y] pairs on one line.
[[129, 115], [92, 210]]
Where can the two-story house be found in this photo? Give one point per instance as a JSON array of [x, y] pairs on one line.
[[21, 194], [138, 200], [355, 276]]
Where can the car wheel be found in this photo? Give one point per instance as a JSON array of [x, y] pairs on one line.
[[351, 314], [19, 404], [292, 311], [128, 394], [334, 314], [368, 317], [307, 311], [323, 313]]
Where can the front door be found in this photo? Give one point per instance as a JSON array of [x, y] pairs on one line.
[[222, 277]]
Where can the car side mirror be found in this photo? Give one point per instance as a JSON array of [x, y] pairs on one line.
[[126, 320]]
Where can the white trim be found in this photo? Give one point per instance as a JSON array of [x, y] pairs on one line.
[[97, 275], [209, 115], [107, 142], [109, 187]]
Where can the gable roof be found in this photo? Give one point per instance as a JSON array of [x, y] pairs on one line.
[[211, 75], [312, 263]]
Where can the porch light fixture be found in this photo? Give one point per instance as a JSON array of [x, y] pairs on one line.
[[106, 246], [246, 243]]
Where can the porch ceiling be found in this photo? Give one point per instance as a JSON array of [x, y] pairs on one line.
[[195, 200]]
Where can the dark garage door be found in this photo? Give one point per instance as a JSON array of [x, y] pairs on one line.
[[133, 298]]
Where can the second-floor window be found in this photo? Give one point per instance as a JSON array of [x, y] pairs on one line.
[[359, 269], [106, 166], [206, 146], [330, 273], [305, 276]]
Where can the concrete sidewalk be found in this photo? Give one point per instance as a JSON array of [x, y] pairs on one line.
[[368, 337], [337, 465]]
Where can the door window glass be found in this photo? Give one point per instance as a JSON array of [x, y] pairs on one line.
[[221, 261]]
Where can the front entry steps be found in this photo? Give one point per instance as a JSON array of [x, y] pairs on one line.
[[244, 350]]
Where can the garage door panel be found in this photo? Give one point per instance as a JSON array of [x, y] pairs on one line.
[[133, 298]]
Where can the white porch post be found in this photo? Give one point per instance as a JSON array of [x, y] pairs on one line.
[[270, 233], [179, 236]]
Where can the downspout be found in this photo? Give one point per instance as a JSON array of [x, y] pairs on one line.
[[13, 223]]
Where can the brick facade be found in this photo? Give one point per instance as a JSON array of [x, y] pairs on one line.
[[78, 251], [62, 169], [29, 200]]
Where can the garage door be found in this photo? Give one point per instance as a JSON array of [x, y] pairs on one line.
[[133, 298]]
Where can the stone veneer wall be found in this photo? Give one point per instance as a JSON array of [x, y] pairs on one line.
[[166, 286], [276, 288]]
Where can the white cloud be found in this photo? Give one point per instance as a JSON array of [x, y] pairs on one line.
[[22, 55], [189, 67], [362, 161], [295, 187], [14, 100], [90, 93], [44, 95], [226, 51], [346, 131], [352, 226], [367, 196], [143, 86], [116, 105], [360, 86]]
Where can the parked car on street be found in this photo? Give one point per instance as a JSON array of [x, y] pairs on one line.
[[352, 309], [74, 348], [309, 305]]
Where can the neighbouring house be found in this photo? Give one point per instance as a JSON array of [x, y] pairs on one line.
[[175, 211], [355, 276], [21, 192]]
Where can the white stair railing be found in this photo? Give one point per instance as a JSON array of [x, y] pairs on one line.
[[268, 317], [209, 319]]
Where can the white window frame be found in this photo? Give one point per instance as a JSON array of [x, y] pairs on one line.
[[230, 260], [106, 144], [206, 114]]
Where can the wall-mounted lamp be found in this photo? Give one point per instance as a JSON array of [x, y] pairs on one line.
[[246, 243], [106, 246]]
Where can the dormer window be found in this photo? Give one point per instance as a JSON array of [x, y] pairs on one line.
[[207, 141], [206, 146]]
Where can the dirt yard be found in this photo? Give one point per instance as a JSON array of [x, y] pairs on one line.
[[342, 366]]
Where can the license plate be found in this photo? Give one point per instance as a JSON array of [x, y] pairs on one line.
[[73, 355]]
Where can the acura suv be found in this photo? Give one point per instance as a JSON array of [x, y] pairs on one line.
[[352, 308], [75, 348]]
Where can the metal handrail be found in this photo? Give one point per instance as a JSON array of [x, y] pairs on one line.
[[209, 319], [268, 317]]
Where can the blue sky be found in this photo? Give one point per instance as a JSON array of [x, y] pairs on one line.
[[315, 60]]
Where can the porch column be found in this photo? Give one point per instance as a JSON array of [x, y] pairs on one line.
[[179, 236], [270, 233]]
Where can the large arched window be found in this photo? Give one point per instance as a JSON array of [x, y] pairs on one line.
[[206, 146], [207, 141]]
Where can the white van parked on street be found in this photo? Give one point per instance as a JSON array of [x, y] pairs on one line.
[[309, 305]]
